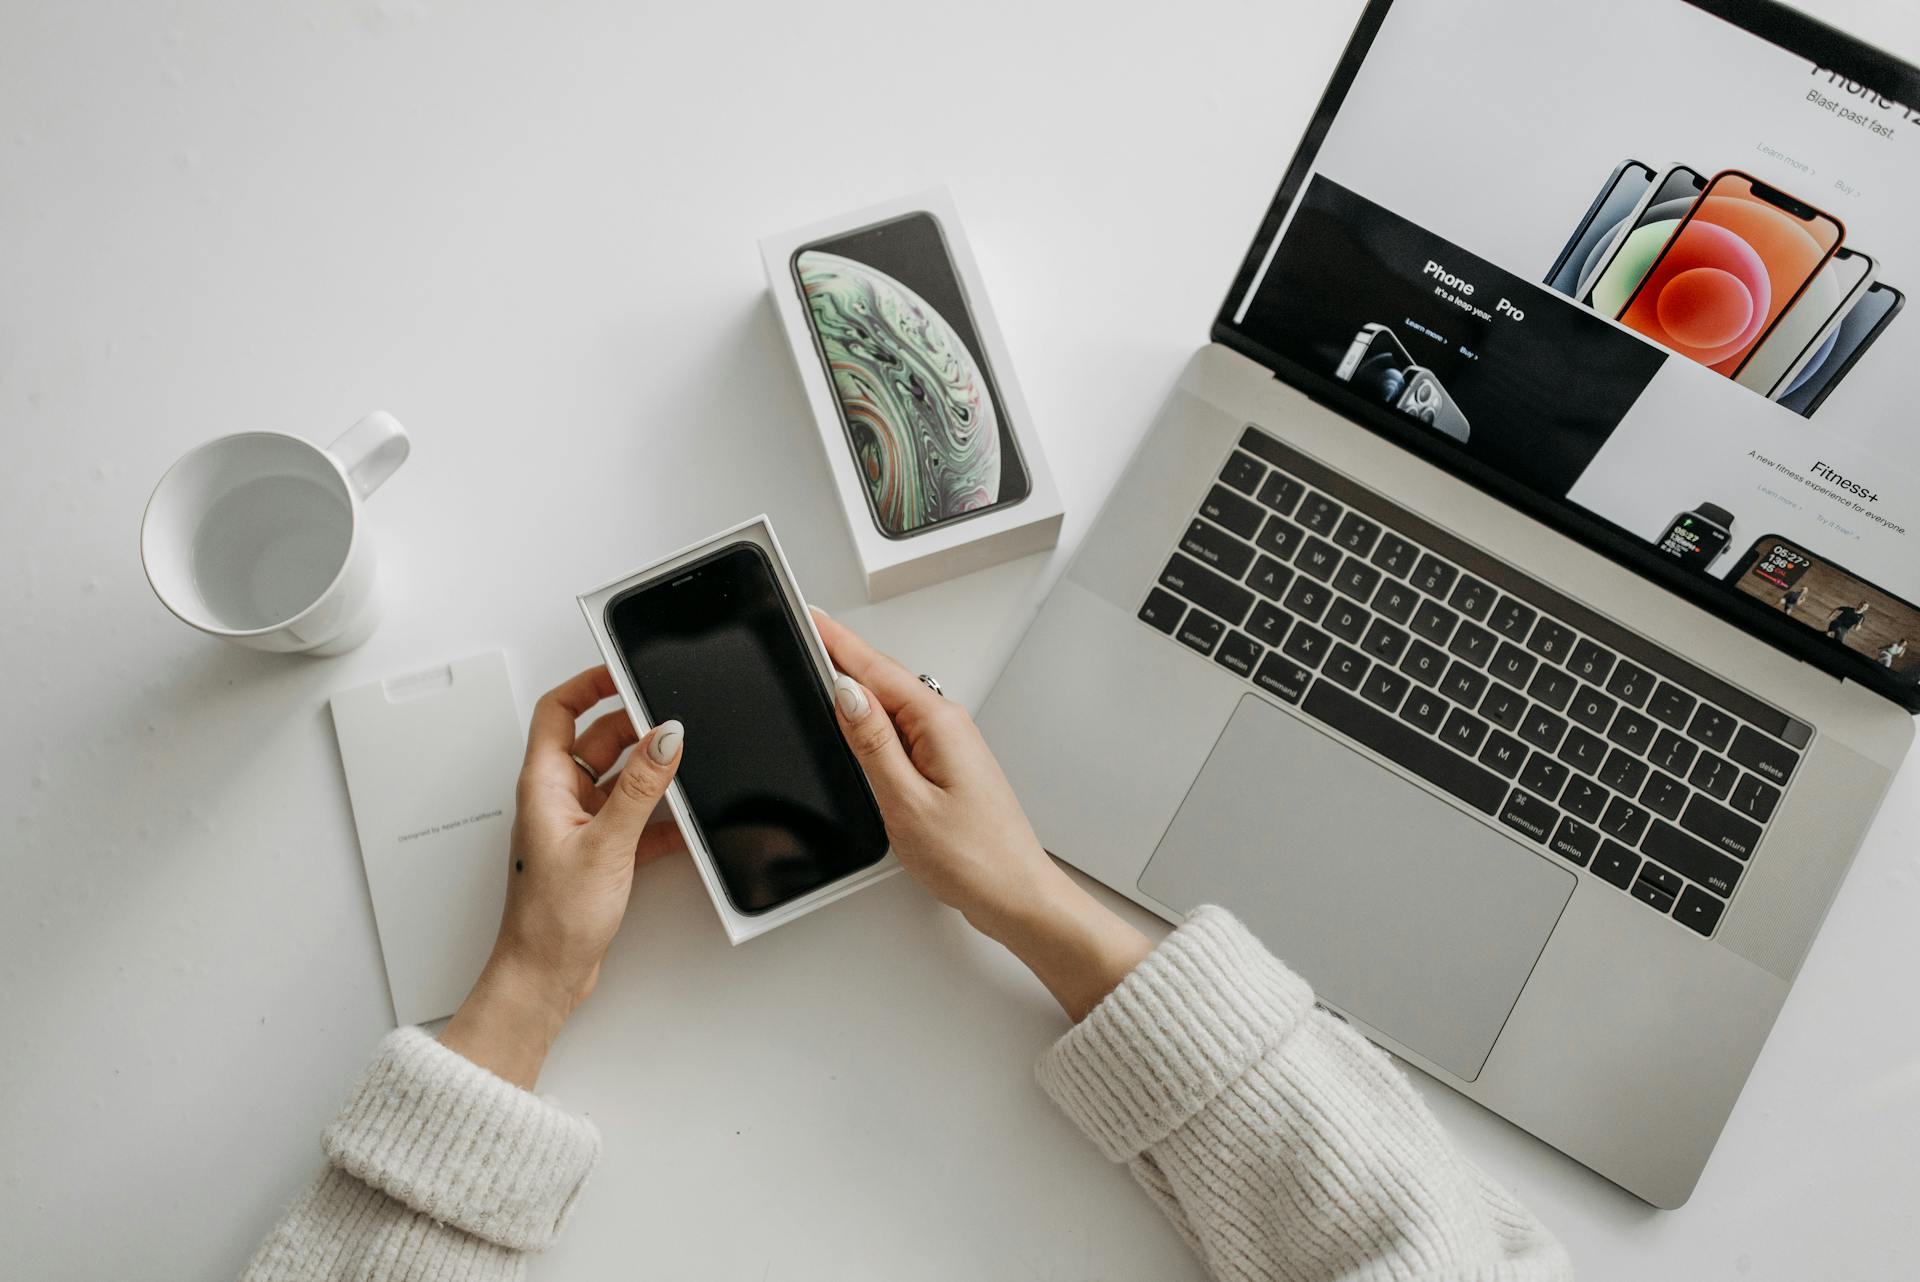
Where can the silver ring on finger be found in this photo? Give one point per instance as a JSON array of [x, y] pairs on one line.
[[932, 685], [593, 776]]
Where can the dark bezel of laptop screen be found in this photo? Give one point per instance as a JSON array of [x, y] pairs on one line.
[[1789, 29]]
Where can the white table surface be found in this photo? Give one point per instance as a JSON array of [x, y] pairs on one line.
[[528, 231]]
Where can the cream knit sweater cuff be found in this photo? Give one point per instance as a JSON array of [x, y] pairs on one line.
[[444, 1137], [1203, 1008]]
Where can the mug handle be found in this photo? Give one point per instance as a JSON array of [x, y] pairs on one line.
[[370, 451]]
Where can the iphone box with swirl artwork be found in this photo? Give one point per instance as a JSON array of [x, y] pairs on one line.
[[932, 451]]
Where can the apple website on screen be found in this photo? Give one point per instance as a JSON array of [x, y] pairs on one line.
[[1661, 278]]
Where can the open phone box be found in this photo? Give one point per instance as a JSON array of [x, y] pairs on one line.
[[739, 925], [933, 454]]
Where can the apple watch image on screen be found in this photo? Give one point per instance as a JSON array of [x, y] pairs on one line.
[[1697, 538], [1380, 368]]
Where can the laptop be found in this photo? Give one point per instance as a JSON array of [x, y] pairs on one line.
[[1509, 613]]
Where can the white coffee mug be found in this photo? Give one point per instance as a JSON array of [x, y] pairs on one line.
[[259, 537]]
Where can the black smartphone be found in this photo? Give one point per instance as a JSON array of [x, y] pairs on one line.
[[1869, 317], [915, 392], [1618, 262], [1604, 217], [776, 794], [1853, 613]]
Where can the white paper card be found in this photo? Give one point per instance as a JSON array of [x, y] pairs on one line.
[[431, 758]]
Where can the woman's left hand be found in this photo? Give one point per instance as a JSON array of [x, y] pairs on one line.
[[576, 843]]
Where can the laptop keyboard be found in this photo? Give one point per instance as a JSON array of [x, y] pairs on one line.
[[1614, 754]]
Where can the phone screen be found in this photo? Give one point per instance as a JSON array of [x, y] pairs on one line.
[[917, 398], [1617, 263], [1808, 323], [1610, 208], [1810, 388], [1741, 257], [777, 796], [1851, 612]]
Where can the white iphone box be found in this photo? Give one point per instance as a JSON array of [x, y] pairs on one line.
[[431, 759], [719, 634], [934, 457]]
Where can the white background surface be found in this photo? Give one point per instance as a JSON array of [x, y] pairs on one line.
[[529, 232]]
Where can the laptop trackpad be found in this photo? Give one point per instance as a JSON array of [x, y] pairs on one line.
[[1399, 909]]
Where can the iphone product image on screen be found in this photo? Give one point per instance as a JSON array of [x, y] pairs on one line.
[[777, 796], [1809, 389], [1803, 332], [1604, 217], [1741, 257], [923, 416], [1616, 263]]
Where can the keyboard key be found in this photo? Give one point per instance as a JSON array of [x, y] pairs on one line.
[[1163, 610], [1280, 538], [1672, 705], [1755, 798], [1464, 685], [1308, 644], [1713, 776], [1268, 625], [1243, 472], [1592, 709], [1552, 687], [1712, 727], [1424, 709], [1672, 753], [1574, 841], [1550, 640], [1719, 827], [1384, 688], [1690, 859], [1434, 622], [1213, 546], [1473, 643], [1590, 661], [1281, 493], [1584, 798], [1464, 731], [1625, 820], [1384, 641], [1239, 514], [1308, 599], [1396, 601], [1199, 632], [1661, 878], [1504, 707], [1651, 895], [1504, 755], [1664, 795], [1763, 754], [1513, 665], [1347, 666], [1206, 589], [1434, 576], [1238, 653], [1285, 679], [1395, 555], [1512, 619], [1528, 816], [1424, 663], [1698, 910], [1319, 513], [1544, 775], [1584, 750], [1356, 578], [1615, 863], [1347, 620], [1623, 773], [1630, 683], [1405, 746], [1269, 578], [1356, 534], [1543, 728], [1318, 558], [1633, 731], [1472, 598]]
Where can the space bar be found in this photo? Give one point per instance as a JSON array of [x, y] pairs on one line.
[[1404, 746]]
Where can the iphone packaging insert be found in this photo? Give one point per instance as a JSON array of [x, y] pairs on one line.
[[740, 926], [931, 448]]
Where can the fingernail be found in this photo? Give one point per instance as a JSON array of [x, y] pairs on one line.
[[851, 698], [665, 741]]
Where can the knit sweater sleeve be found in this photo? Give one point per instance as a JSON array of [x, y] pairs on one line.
[[435, 1169], [1279, 1142]]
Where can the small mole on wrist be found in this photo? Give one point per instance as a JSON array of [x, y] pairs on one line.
[[519, 865]]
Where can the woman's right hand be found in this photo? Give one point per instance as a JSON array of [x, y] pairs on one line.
[[957, 827]]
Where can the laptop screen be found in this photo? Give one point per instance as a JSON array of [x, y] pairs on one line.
[[1634, 264]]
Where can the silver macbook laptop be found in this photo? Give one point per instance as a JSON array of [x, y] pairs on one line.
[[1508, 614]]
